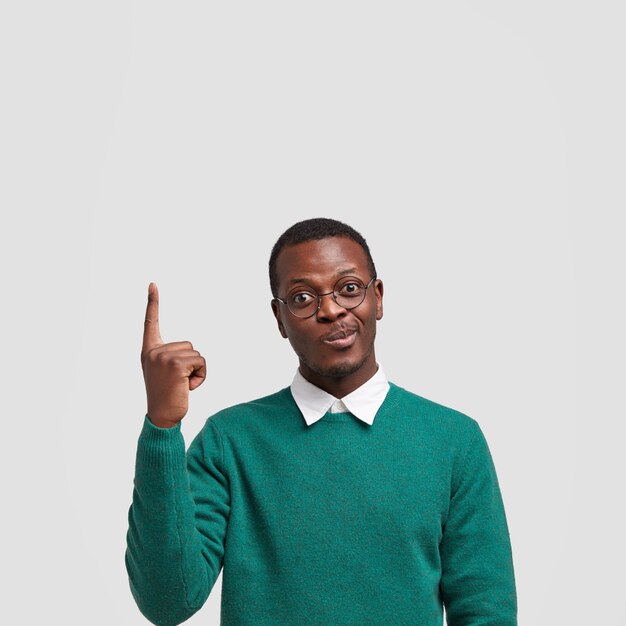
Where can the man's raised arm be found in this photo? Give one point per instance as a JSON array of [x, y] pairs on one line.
[[181, 501]]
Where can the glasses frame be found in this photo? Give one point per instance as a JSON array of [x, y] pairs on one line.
[[321, 295]]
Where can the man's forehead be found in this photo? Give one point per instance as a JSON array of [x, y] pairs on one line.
[[305, 278], [336, 256]]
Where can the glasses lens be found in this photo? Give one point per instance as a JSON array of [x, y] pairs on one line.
[[350, 293], [302, 303]]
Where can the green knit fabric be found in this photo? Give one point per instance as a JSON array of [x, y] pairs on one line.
[[337, 523]]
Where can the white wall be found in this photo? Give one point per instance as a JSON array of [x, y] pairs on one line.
[[479, 148]]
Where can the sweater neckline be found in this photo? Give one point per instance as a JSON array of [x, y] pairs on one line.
[[389, 402]]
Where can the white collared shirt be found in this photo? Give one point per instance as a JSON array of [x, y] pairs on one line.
[[363, 402]]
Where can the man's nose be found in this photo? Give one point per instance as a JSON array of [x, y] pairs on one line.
[[329, 309]]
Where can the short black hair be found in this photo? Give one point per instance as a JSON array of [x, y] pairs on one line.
[[310, 230]]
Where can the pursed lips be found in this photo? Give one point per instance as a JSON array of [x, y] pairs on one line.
[[342, 334]]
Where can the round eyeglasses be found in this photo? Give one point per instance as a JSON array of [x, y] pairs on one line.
[[348, 293]]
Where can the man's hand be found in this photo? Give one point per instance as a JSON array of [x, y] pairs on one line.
[[170, 370]]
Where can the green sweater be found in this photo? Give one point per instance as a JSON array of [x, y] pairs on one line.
[[337, 523]]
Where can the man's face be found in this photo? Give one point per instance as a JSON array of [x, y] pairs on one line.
[[318, 265]]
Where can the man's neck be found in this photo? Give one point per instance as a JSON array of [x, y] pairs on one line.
[[343, 385]]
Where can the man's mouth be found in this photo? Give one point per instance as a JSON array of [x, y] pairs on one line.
[[341, 339]]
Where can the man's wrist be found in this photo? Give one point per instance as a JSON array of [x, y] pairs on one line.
[[161, 423]]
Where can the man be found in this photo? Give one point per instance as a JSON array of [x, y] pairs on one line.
[[343, 499]]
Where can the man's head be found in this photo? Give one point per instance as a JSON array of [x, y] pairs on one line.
[[314, 257]]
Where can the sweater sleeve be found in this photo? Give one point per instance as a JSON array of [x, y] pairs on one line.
[[177, 522], [477, 582]]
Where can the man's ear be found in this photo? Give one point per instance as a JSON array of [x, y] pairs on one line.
[[276, 310], [378, 290]]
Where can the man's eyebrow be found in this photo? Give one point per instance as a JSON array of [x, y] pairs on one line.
[[343, 272]]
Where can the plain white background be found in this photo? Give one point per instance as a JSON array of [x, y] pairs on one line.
[[479, 148]]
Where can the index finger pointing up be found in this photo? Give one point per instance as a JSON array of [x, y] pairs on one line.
[[151, 332]]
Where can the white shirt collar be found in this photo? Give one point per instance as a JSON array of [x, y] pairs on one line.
[[363, 402]]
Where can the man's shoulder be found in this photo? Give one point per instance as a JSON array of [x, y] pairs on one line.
[[268, 405], [417, 406]]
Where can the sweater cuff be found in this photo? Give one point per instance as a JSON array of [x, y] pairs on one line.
[[161, 447]]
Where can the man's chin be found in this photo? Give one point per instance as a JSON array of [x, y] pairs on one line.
[[339, 370]]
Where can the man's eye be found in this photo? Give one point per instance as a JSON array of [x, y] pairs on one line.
[[301, 297], [350, 288]]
